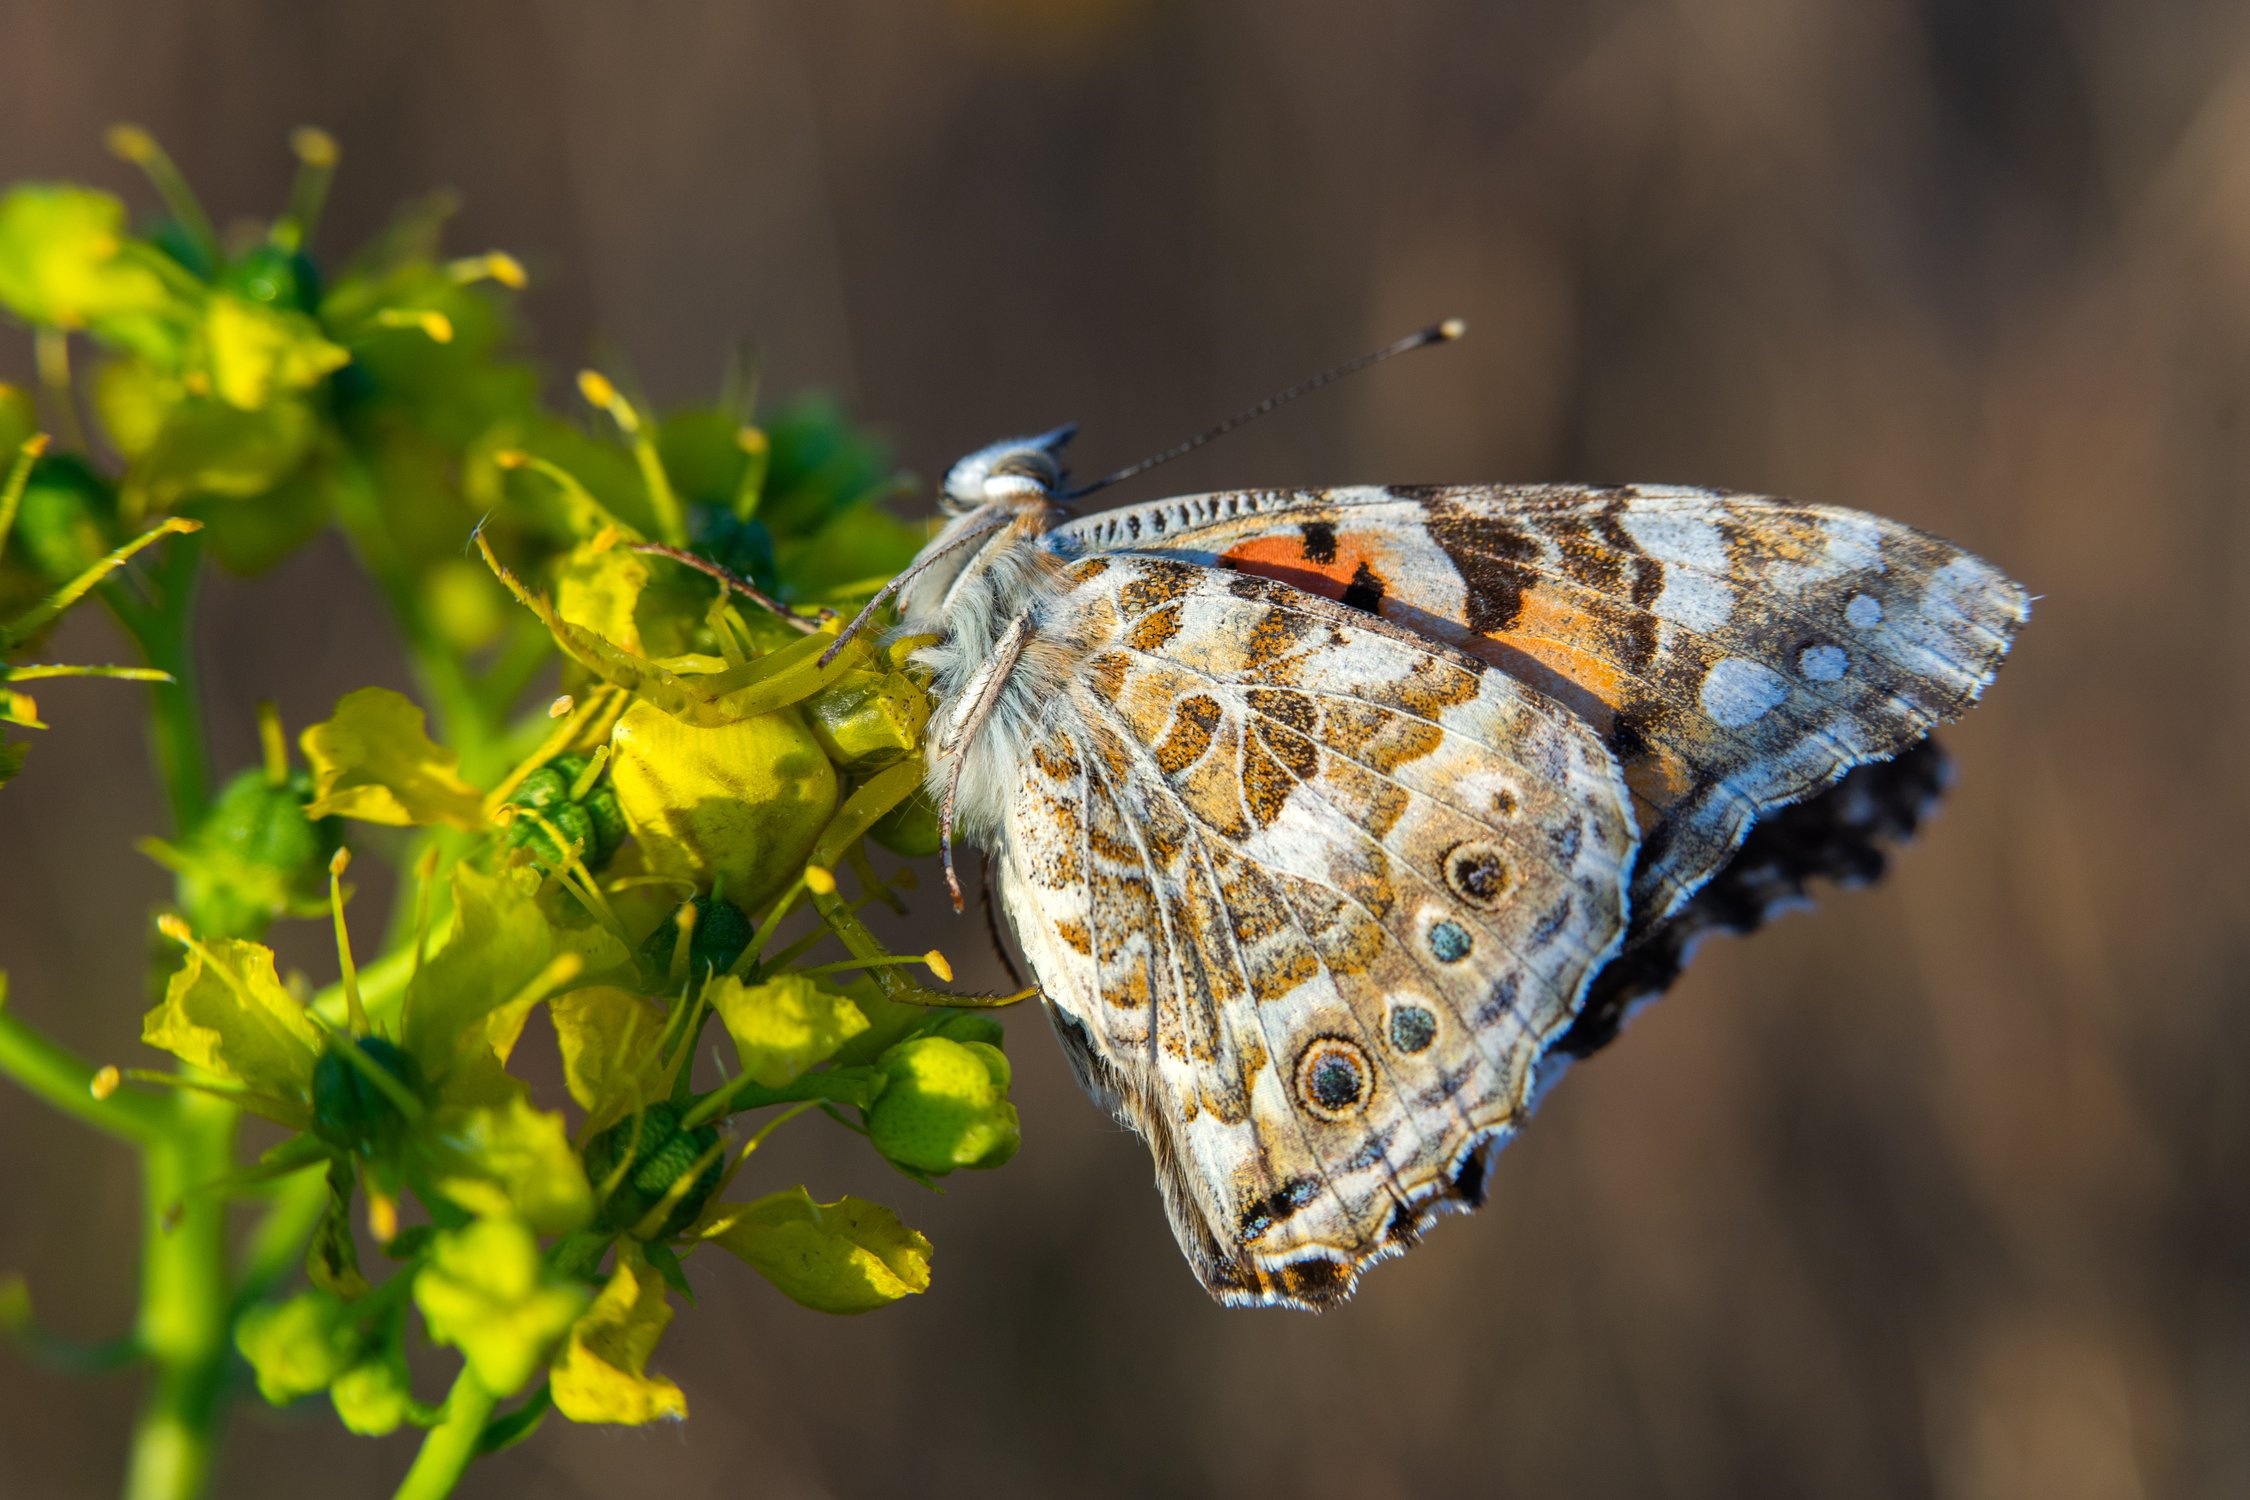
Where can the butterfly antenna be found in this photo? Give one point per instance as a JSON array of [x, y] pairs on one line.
[[867, 610], [1437, 333]]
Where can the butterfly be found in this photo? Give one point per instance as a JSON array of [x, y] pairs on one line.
[[1333, 823]]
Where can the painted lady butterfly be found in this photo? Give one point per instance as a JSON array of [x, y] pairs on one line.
[[1333, 822]]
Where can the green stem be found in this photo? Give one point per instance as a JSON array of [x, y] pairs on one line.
[[183, 757], [452, 1444], [183, 1318], [49, 1072]]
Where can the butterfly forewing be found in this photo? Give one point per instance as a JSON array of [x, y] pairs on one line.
[[1736, 654], [1311, 893]]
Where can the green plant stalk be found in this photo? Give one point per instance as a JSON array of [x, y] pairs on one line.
[[184, 1303], [183, 756], [48, 1072], [451, 1445], [185, 1297]]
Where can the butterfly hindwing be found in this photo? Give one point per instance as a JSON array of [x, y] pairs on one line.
[[1309, 894]]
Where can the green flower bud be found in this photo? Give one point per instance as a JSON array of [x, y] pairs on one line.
[[595, 824], [868, 719], [544, 787], [567, 819], [66, 518], [256, 856], [276, 277], [911, 828], [742, 802], [971, 1026], [722, 932], [352, 1110], [608, 819], [944, 1105], [662, 1154], [299, 1346]]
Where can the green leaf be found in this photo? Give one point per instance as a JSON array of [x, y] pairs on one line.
[[226, 1012], [850, 1256], [332, 1257], [508, 1160], [611, 1061], [132, 397], [784, 1026], [60, 261], [502, 1433], [299, 1346], [209, 449], [486, 1292], [373, 761], [741, 802], [602, 1374], [464, 1011], [258, 352], [374, 1396]]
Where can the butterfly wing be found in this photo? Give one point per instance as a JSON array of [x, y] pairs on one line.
[[1737, 654], [1309, 895]]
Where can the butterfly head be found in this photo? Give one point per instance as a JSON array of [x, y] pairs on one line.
[[1011, 474]]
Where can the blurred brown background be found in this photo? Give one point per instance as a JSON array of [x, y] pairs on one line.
[[1938, 1191]]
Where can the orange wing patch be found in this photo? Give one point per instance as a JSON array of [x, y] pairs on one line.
[[1351, 567]]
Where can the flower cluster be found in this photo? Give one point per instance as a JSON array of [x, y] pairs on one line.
[[658, 845]]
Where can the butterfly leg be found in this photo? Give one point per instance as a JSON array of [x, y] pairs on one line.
[[978, 700]]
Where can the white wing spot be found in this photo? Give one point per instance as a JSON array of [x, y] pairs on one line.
[[1694, 601], [1737, 691], [1865, 612], [1822, 663]]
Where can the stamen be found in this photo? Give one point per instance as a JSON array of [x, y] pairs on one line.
[[682, 945], [435, 325], [27, 625], [50, 352], [104, 1082], [19, 475], [561, 706], [130, 143], [382, 1215], [355, 1012], [758, 455], [592, 774], [494, 265], [273, 743], [308, 190], [601, 392]]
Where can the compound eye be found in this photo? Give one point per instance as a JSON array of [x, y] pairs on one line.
[[1017, 470]]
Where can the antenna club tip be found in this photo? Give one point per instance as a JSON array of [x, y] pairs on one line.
[[1452, 328]]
